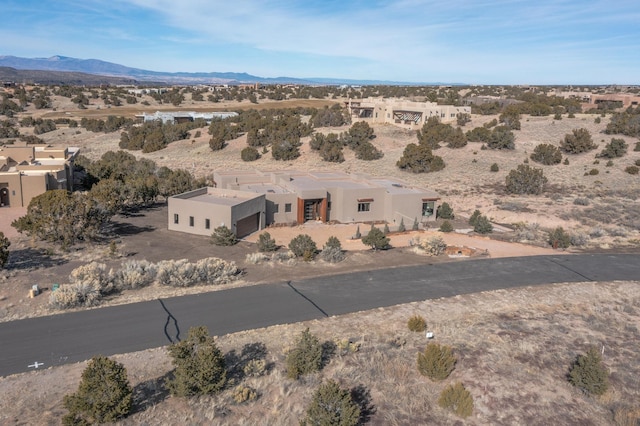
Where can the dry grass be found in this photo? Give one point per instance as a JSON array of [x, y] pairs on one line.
[[514, 348]]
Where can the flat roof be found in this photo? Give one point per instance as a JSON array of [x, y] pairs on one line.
[[264, 188], [227, 197]]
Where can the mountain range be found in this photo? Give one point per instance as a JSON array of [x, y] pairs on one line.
[[109, 69]]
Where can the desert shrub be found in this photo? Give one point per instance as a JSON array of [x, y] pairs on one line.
[[579, 239], [594, 172], [589, 374], [445, 211], [415, 225], [255, 258], [376, 239], [596, 232], [332, 251], [95, 275], [501, 138], [104, 394], [345, 346], [402, 227], [632, 170], [199, 365], [73, 295], [223, 236], [332, 405], [386, 229], [249, 154], [420, 159], [479, 134], [266, 243], [637, 147], [581, 201], [559, 238], [637, 163], [303, 246], [614, 149], [577, 142], [462, 118], [134, 274], [182, 273], [566, 162], [437, 361], [255, 368], [457, 399], [446, 226], [494, 167], [417, 323], [286, 150], [4, 249], [474, 217], [434, 246], [243, 393], [546, 154], [525, 180], [305, 357]]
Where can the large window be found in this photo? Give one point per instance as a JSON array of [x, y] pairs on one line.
[[427, 208], [364, 206]]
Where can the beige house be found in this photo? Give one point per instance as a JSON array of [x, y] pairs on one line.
[[403, 113], [294, 197], [27, 171]]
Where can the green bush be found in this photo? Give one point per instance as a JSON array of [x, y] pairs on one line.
[[420, 159], [4, 249], [474, 217], [457, 399], [305, 357], [249, 154], [637, 147], [332, 251], [199, 365], [482, 225], [266, 243], [332, 405], [104, 394], [494, 167], [632, 170], [546, 154], [446, 226], [436, 362], [223, 236], [445, 211], [376, 239], [577, 142], [417, 323], [402, 227], [558, 238], [589, 374], [525, 180], [501, 138], [303, 246], [614, 149]]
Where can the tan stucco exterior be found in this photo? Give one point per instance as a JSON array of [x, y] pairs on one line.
[[293, 197], [27, 171], [403, 113]]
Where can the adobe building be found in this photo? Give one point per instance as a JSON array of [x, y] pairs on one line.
[[403, 113], [294, 197], [27, 171]]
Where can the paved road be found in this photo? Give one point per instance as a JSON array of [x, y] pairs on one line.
[[73, 337]]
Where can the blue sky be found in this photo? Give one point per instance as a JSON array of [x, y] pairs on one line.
[[470, 41]]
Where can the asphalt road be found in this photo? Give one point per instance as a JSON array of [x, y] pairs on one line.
[[72, 337]]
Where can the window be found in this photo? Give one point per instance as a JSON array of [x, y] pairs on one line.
[[276, 208], [287, 208], [364, 207], [191, 221], [176, 218], [427, 208], [207, 224]]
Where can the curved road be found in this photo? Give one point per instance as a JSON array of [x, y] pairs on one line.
[[72, 337]]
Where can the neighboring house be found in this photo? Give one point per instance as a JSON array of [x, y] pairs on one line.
[[400, 112], [27, 171], [293, 197], [174, 117]]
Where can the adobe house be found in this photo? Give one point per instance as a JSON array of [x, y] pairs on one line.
[[27, 171], [400, 112], [294, 197]]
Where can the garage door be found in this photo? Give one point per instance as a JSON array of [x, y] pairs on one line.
[[247, 225]]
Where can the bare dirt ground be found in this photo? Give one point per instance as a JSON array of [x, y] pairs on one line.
[[514, 348]]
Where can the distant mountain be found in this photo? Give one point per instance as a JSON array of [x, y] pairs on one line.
[[98, 67], [60, 77]]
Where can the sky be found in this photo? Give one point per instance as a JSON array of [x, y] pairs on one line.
[[452, 41]]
